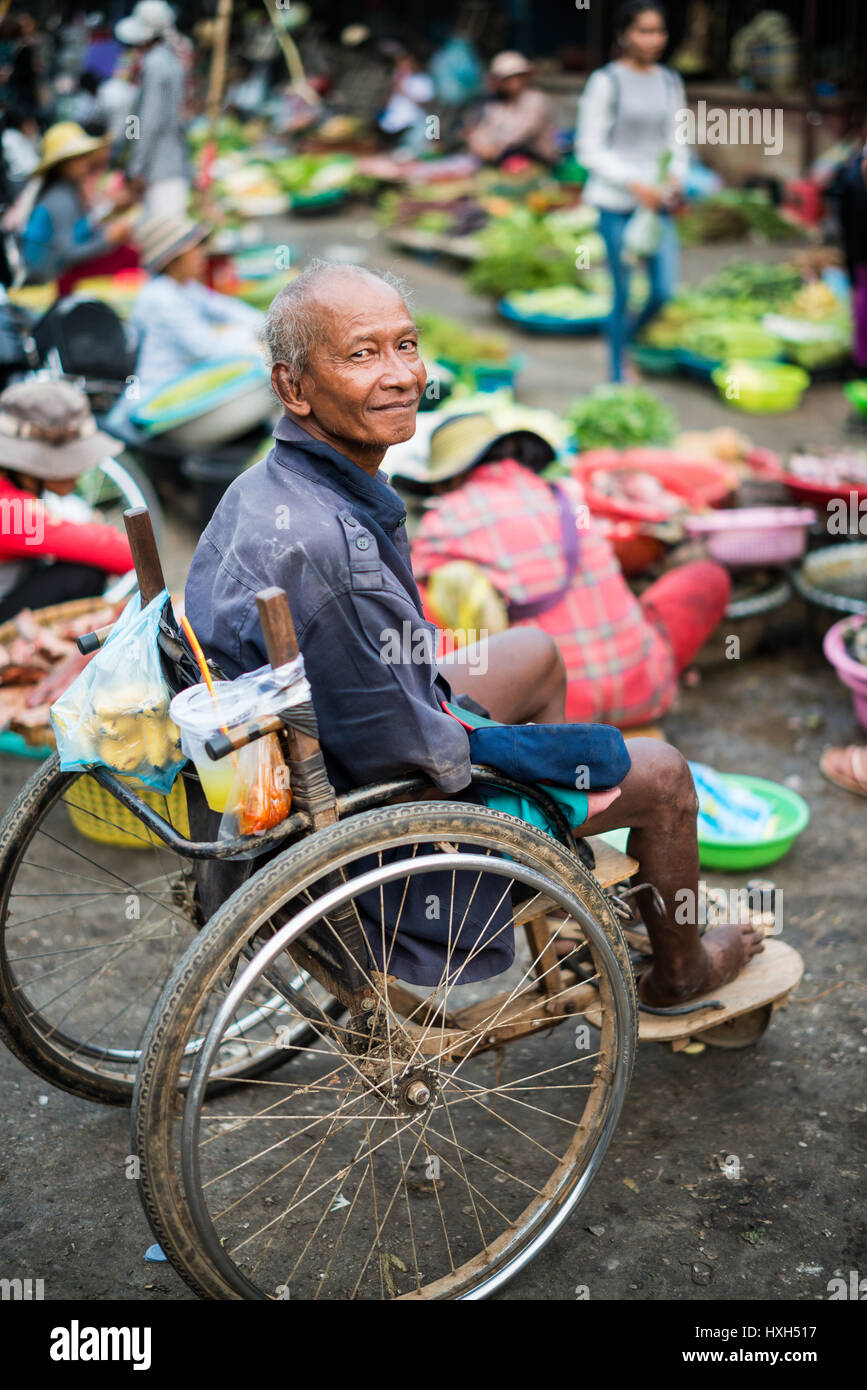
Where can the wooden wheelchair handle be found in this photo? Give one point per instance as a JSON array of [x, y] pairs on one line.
[[145, 556]]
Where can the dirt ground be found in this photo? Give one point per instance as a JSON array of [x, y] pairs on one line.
[[732, 1174]]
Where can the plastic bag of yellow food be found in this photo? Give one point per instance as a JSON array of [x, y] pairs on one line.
[[461, 597], [116, 713]]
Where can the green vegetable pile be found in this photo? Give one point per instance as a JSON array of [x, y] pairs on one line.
[[448, 339], [525, 252], [724, 338], [741, 293], [620, 416], [308, 174], [752, 280], [560, 302], [733, 214]]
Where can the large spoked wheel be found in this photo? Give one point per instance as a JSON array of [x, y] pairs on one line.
[[94, 914], [430, 1143]]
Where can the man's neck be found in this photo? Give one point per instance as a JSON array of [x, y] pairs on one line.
[[368, 460]]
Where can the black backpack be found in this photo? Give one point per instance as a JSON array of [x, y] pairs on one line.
[[89, 338]]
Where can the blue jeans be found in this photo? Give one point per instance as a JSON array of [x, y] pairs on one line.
[[663, 269]]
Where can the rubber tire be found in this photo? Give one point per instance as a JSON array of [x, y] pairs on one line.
[[36, 798], [155, 1100]]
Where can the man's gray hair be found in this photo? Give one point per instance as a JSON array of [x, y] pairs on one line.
[[292, 325]]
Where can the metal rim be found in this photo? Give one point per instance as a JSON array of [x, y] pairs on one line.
[[544, 1222]]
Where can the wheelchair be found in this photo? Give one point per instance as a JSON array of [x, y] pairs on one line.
[[309, 1124]]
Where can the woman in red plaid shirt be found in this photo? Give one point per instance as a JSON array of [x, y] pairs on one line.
[[538, 546]]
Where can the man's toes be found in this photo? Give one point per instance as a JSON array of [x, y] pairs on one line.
[[753, 940]]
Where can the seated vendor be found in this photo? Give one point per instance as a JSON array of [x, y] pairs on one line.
[[70, 234], [180, 322], [622, 654], [48, 438], [517, 118], [318, 518]]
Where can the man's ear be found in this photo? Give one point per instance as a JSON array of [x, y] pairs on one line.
[[288, 390]]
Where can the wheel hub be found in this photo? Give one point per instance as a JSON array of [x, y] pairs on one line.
[[416, 1092]]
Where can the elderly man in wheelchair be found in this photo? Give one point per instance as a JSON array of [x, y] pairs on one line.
[[319, 520], [381, 1050]]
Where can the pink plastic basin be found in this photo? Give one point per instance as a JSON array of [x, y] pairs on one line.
[[851, 673], [753, 535]]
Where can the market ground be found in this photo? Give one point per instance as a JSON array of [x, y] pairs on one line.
[[663, 1220]]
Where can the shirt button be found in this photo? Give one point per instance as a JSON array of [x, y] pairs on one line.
[[362, 542]]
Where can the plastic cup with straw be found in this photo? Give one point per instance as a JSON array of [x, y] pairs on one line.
[[194, 713]]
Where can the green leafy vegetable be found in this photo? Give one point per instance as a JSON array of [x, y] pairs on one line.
[[620, 416]]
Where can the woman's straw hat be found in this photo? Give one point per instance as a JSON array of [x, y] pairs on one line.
[[160, 239], [67, 140]]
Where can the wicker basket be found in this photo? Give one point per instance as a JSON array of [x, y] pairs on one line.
[[43, 738], [99, 816]]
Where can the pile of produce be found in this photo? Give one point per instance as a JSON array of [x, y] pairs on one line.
[[734, 214], [560, 302], [620, 416], [37, 664], [855, 642], [526, 252], [306, 175], [754, 311], [638, 488], [449, 340], [748, 282], [262, 185], [720, 339], [447, 209], [814, 326], [250, 190], [846, 468], [724, 443]]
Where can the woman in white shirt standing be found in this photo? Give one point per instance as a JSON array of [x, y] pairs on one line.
[[627, 123]]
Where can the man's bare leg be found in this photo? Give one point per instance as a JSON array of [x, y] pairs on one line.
[[518, 675], [525, 683], [659, 804]]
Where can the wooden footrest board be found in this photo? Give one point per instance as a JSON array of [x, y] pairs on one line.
[[767, 979], [611, 865]]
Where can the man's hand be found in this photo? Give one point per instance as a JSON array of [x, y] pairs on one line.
[[597, 802]]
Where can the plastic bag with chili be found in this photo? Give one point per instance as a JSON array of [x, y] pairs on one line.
[[260, 796]]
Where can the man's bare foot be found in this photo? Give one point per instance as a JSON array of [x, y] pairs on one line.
[[723, 953]]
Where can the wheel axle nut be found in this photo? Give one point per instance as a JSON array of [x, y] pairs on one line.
[[418, 1093]]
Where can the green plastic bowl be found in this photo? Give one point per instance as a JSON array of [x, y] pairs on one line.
[[734, 855], [857, 393], [779, 386]]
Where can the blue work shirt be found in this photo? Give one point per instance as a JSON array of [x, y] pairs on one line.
[[314, 523]]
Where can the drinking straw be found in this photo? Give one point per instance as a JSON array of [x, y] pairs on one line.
[[203, 667]]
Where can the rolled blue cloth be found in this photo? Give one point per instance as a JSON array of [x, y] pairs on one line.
[[578, 757]]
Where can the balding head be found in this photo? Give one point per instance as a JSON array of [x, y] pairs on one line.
[[345, 360], [298, 316]]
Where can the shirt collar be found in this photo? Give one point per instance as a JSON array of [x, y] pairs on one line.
[[373, 493]]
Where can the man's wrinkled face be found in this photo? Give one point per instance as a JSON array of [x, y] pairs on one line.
[[364, 377]]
